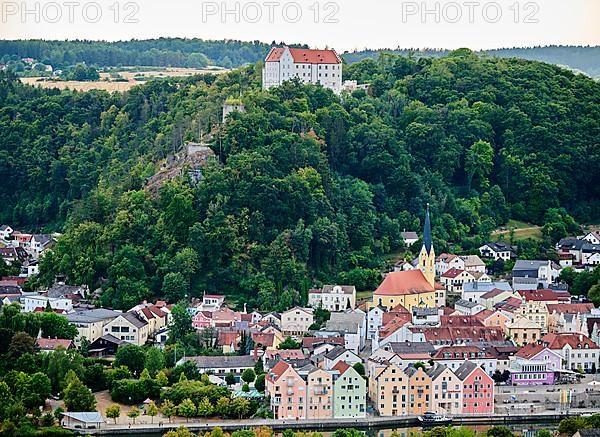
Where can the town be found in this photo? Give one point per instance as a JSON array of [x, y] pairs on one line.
[[443, 336]]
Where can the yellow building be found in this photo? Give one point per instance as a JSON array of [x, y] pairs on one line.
[[411, 288], [523, 331], [391, 391]]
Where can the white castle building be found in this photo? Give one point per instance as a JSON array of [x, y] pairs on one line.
[[309, 66]]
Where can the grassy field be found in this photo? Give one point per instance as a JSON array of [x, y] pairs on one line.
[[522, 231], [128, 80]]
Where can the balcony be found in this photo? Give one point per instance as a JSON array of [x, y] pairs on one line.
[[320, 390], [276, 400]]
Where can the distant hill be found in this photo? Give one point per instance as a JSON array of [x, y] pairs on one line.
[[198, 53], [584, 59]]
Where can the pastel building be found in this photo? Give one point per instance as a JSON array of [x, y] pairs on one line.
[[477, 389], [349, 391], [446, 390], [419, 390], [287, 391], [388, 391], [319, 395], [535, 364]]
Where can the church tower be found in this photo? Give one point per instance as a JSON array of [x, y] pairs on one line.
[[427, 254]]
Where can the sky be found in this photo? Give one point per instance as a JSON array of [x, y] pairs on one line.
[[341, 24]]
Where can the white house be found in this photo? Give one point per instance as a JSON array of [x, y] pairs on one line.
[[409, 238], [578, 352], [6, 232], [374, 321], [129, 327], [37, 302], [296, 321], [309, 66], [592, 237], [338, 354], [333, 297], [540, 272], [473, 263], [468, 308], [454, 280], [352, 326], [497, 251], [472, 291]]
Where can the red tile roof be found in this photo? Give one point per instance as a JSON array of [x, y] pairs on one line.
[[311, 342], [570, 308], [446, 335], [446, 257], [576, 341], [530, 350], [341, 367], [263, 339], [50, 344], [460, 320], [277, 370], [403, 283], [228, 338], [461, 352], [392, 326], [305, 56], [391, 315], [492, 293], [545, 295], [452, 273], [285, 354]]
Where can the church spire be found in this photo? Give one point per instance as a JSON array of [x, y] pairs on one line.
[[427, 241]]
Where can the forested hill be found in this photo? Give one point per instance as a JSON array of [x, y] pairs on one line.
[[197, 53], [311, 188], [584, 59], [161, 52]]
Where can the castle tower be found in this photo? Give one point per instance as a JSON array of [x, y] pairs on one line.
[[427, 254]]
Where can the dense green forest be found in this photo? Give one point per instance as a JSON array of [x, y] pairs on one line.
[[582, 58], [310, 187], [161, 52]]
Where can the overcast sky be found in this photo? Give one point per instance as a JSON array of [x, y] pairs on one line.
[[343, 24]]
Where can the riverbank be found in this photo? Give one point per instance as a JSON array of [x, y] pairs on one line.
[[332, 424]]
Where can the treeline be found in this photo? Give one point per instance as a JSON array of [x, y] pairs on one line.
[[162, 52], [310, 188], [583, 58]]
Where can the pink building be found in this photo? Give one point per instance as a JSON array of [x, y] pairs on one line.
[[287, 391], [477, 389], [201, 320], [320, 395]]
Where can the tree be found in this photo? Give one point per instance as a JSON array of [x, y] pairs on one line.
[[289, 343], [205, 408], [360, 368], [259, 384], [181, 324], [479, 161], [77, 397], [259, 367], [174, 287], [113, 412], [245, 388], [145, 374], [180, 432], [151, 410], [132, 357], [21, 343], [230, 378], [155, 361], [186, 409], [161, 379], [248, 376], [499, 431], [167, 409], [134, 413]]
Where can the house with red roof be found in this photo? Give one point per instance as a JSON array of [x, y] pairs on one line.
[[578, 352], [454, 279], [287, 392], [453, 357], [535, 364], [447, 261], [318, 67], [51, 344]]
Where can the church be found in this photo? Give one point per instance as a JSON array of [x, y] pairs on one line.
[[412, 288]]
